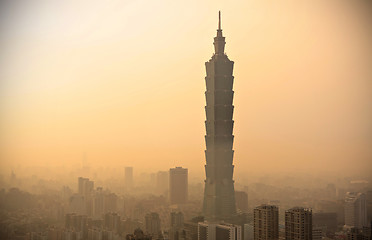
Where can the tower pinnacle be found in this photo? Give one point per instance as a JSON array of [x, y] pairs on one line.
[[219, 20], [219, 40]]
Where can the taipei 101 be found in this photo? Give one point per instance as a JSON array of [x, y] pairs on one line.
[[186, 120]]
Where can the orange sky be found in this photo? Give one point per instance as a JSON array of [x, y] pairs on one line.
[[123, 81]]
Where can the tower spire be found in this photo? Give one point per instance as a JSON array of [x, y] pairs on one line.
[[219, 40], [219, 20]]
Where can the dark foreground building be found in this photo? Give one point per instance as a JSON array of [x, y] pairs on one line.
[[219, 199], [298, 224]]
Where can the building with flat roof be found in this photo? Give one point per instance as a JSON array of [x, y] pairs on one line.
[[266, 222], [298, 224]]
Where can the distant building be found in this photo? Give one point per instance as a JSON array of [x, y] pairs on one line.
[[369, 205], [98, 203], [317, 233], [152, 223], [206, 231], [86, 189], [331, 191], [266, 222], [327, 220], [355, 210], [248, 232], [241, 200], [176, 225], [112, 222], [76, 226], [191, 229], [85, 186], [77, 204], [298, 224], [110, 202], [178, 185], [75, 222], [81, 184], [177, 219], [128, 181], [162, 182], [359, 233]]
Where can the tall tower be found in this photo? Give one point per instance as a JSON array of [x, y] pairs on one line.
[[219, 198]]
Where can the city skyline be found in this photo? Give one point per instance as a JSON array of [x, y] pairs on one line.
[[304, 100], [104, 135]]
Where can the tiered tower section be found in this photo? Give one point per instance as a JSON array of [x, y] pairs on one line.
[[219, 196]]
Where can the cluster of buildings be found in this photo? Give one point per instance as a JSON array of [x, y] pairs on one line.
[[93, 214]]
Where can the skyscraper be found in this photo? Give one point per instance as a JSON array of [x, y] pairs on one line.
[[128, 178], [241, 201], [266, 222], [176, 225], [178, 185], [355, 210], [298, 224], [162, 182], [85, 186], [219, 197]]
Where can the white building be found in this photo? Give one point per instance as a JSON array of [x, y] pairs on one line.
[[219, 231], [355, 210]]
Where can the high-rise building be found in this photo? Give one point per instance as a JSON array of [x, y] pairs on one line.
[[241, 199], [81, 184], [77, 204], [191, 229], [98, 203], [178, 185], [176, 219], [176, 225], [86, 189], [206, 231], [266, 222], [355, 210], [162, 182], [112, 222], [219, 195], [369, 205], [298, 224], [152, 223], [110, 202], [128, 181], [85, 186]]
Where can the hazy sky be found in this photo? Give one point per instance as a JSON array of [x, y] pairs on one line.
[[123, 81]]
